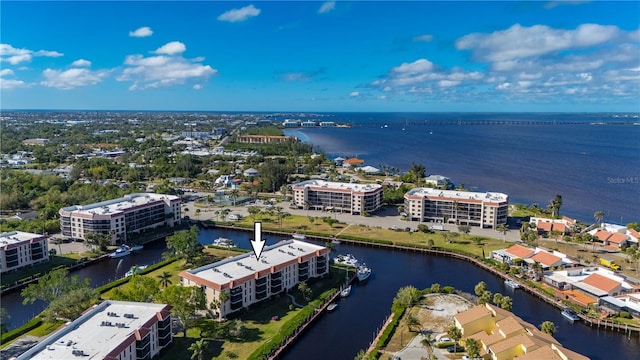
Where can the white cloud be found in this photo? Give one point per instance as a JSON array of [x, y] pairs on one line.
[[423, 38], [237, 15], [418, 66], [72, 78], [16, 56], [448, 83], [5, 72], [326, 7], [503, 86], [172, 48], [141, 32], [7, 84], [354, 94], [295, 77], [519, 42], [163, 71], [81, 63]]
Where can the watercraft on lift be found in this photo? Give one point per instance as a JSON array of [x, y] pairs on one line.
[[122, 251], [512, 284], [348, 260], [224, 242], [346, 291], [136, 247], [364, 272], [570, 314], [332, 307], [299, 236], [135, 269]]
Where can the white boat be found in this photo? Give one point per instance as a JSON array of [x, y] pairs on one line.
[[122, 251], [335, 242], [570, 314], [512, 284], [332, 307], [345, 292], [348, 260], [224, 242], [134, 269], [363, 272], [299, 237], [136, 247]]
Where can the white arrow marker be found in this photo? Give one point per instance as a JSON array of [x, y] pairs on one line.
[[257, 244]]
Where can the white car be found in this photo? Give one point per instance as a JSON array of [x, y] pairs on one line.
[[445, 339]]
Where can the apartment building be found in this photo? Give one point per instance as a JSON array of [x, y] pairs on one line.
[[19, 249], [487, 209], [246, 280], [120, 217], [265, 139], [112, 330], [336, 196]]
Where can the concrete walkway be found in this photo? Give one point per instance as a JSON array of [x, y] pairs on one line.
[[293, 300]]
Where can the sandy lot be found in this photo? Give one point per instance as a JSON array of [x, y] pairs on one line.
[[438, 310]]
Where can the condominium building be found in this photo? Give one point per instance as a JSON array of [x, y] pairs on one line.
[[459, 207], [246, 280], [112, 330], [336, 196], [120, 217], [19, 249]]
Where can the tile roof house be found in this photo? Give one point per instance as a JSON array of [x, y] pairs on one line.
[[519, 252], [353, 162], [504, 336], [547, 260], [605, 284]]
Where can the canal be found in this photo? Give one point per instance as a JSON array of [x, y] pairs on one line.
[[342, 333]]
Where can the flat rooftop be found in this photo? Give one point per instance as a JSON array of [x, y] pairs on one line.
[[118, 205], [238, 267], [15, 237], [88, 334], [333, 185], [462, 195]]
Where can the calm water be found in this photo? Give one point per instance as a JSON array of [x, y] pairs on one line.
[[593, 167], [341, 334]]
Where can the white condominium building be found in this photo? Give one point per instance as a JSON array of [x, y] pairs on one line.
[[19, 249], [458, 207], [120, 217], [247, 281], [342, 197], [112, 330]]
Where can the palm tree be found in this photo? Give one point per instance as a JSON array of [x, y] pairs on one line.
[[456, 206], [455, 334], [548, 327], [412, 321], [503, 228], [222, 299], [427, 342], [599, 217], [234, 195], [164, 279], [555, 205], [197, 349], [307, 205]]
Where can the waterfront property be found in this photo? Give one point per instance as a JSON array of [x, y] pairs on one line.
[[266, 139], [19, 249], [120, 217], [459, 207], [585, 286], [247, 281], [504, 336], [343, 197], [518, 254], [112, 330], [545, 226]]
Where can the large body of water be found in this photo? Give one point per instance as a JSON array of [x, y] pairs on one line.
[[341, 334], [592, 162]]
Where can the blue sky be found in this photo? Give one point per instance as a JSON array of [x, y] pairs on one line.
[[574, 56]]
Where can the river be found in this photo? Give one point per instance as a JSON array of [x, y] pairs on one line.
[[341, 334]]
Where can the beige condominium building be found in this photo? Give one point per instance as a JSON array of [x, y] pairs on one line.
[[246, 280], [343, 197], [487, 209], [19, 249], [120, 217], [112, 330]]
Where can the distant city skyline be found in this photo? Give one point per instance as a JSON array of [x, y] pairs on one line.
[[342, 56]]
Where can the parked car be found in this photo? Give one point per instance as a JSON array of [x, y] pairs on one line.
[[445, 339], [455, 348]]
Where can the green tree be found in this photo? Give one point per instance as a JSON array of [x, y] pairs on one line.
[[473, 348], [555, 204], [198, 348], [454, 333], [548, 327], [140, 289], [53, 285], [413, 322], [427, 342], [506, 303], [435, 288], [186, 301], [497, 298], [480, 288], [164, 279], [485, 297], [71, 305], [306, 291], [599, 217], [185, 244], [504, 229], [99, 240], [406, 296], [465, 229], [254, 211]]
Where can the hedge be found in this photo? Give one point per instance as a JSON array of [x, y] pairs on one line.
[[15, 333], [386, 334], [104, 288]]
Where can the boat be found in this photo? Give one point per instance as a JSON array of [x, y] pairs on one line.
[[570, 314], [363, 272], [136, 247], [122, 251], [135, 269], [345, 292], [512, 284], [335, 242], [224, 242], [348, 260], [332, 307], [299, 237]]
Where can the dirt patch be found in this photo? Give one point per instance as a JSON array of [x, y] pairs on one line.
[[436, 311]]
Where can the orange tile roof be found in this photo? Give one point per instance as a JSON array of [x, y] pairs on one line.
[[601, 282], [545, 226], [520, 251], [546, 258], [634, 233], [354, 161], [580, 297], [569, 220], [617, 238], [559, 227], [603, 235]]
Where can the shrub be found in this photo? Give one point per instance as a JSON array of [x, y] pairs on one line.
[[624, 315]]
